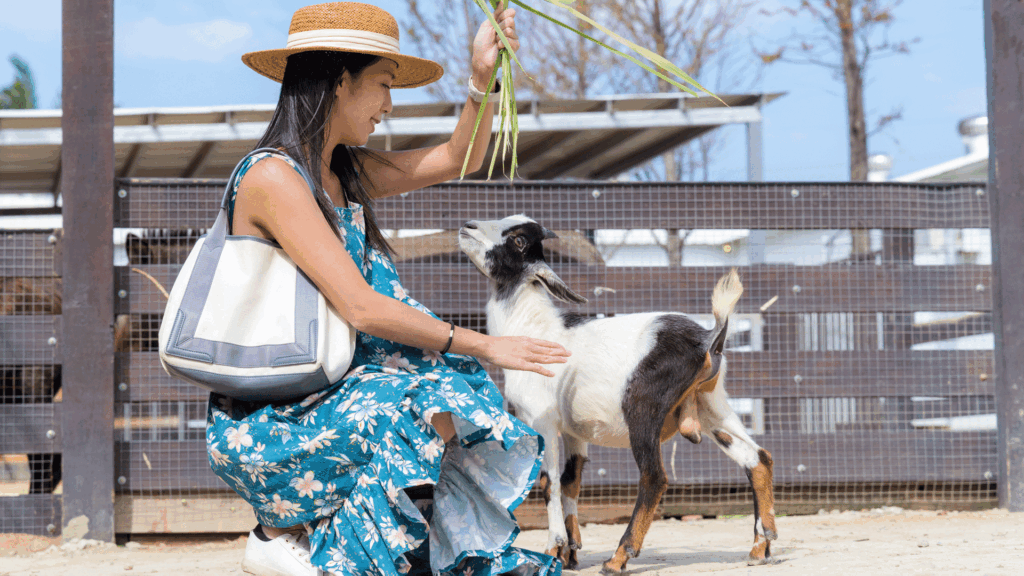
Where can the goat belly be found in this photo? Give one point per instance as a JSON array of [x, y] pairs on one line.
[[590, 405]]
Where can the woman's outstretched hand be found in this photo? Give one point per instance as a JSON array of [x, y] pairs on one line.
[[487, 44], [525, 353]]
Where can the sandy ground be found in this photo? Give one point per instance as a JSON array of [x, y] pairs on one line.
[[879, 542]]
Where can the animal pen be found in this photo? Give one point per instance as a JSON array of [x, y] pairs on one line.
[[858, 353], [837, 360]]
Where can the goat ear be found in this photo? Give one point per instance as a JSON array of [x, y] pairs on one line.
[[548, 234], [554, 285], [137, 249], [718, 344]]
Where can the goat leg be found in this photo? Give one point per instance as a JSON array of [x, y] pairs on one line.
[[764, 508], [571, 480], [653, 484]]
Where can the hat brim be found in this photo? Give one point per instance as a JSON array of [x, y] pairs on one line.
[[412, 72]]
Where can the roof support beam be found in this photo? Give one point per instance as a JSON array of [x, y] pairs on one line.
[[423, 126], [611, 169], [132, 162], [55, 187], [755, 155], [553, 151], [198, 162], [1004, 33], [87, 338]]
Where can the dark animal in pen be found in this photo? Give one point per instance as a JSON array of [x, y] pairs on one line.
[[37, 383], [633, 380], [138, 332]]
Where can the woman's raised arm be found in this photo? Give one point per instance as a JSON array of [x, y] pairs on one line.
[[415, 169]]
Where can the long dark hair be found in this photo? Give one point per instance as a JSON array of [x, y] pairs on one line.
[[300, 123]]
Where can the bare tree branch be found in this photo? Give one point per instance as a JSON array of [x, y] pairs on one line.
[[856, 33]]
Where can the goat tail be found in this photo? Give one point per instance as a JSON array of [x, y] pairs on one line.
[[723, 302], [727, 293]]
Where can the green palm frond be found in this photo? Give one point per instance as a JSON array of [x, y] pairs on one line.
[[508, 123]]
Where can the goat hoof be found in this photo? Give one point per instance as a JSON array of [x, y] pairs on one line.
[[610, 570], [761, 554], [693, 437], [569, 561]]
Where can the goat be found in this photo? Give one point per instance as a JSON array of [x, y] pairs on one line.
[[632, 381]]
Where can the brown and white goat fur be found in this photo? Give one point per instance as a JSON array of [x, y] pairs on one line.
[[633, 381]]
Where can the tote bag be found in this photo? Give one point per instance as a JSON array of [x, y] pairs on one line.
[[244, 321]]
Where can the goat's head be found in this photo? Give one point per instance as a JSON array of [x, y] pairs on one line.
[[509, 252]]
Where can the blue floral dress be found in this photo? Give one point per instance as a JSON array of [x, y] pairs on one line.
[[338, 461]]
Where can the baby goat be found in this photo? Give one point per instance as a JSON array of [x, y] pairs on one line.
[[632, 381]]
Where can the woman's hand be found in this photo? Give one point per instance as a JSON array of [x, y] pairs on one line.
[[486, 45], [524, 353]]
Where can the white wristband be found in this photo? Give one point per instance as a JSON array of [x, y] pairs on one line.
[[477, 95]]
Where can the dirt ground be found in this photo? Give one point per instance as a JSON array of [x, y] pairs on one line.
[[885, 541]]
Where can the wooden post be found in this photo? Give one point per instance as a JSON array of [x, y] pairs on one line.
[[1004, 34], [87, 343]]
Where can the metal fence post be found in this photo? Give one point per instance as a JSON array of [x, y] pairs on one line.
[[87, 157], [1004, 33]]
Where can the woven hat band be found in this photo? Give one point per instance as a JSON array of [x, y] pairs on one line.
[[354, 40]]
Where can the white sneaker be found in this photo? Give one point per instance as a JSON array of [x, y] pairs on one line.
[[286, 555]]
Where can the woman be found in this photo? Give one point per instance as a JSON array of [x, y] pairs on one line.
[[333, 477]]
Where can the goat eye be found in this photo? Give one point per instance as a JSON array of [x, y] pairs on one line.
[[520, 242]]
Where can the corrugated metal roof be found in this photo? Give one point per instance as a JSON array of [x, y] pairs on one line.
[[588, 139]]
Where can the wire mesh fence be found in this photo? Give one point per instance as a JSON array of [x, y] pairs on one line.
[[860, 353], [30, 381]]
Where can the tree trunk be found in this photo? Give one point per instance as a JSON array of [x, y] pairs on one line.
[[853, 75]]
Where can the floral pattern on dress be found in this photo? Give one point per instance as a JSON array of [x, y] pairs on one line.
[[338, 461]]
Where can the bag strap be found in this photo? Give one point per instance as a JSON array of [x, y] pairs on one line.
[[218, 233], [234, 173]]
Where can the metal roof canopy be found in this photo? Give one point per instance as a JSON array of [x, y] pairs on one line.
[[596, 138]]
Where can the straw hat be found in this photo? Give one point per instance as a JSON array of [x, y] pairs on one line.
[[345, 27]]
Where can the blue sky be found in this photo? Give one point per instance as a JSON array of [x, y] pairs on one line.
[[186, 53]]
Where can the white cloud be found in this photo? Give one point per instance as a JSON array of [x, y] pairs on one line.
[[200, 41]]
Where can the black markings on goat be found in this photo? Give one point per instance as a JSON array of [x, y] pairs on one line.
[[574, 319]]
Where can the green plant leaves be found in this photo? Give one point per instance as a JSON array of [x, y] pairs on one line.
[[508, 124]]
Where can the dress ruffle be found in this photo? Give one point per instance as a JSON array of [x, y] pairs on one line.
[[362, 520]]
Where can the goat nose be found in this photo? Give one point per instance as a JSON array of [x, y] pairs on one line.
[[471, 225]]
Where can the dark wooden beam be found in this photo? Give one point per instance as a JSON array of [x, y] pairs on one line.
[[30, 211], [151, 203], [87, 158], [34, 513], [834, 288], [36, 428], [1004, 35]]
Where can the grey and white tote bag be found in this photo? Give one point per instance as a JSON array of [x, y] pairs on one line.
[[244, 321]]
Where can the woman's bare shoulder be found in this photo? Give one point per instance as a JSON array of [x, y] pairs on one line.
[[271, 174]]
